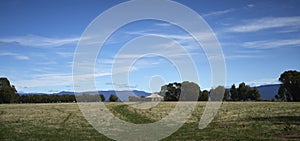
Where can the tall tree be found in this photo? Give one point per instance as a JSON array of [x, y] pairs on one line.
[[226, 95], [113, 98], [203, 95], [281, 94], [244, 91], [8, 93], [102, 97], [171, 91], [290, 86], [185, 91], [254, 94], [233, 93]]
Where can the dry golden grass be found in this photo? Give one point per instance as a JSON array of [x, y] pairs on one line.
[[234, 121]]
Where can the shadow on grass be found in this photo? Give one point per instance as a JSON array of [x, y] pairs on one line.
[[280, 119]]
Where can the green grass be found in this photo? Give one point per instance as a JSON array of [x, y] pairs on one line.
[[234, 121]]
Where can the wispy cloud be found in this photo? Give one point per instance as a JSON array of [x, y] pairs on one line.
[[250, 5], [267, 23], [150, 53], [240, 56], [185, 40], [218, 13], [172, 36], [38, 41], [121, 85], [15, 55], [47, 80], [125, 63], [54, 79], [265, 81], [267, 44], [163, 24], [65, 54], [46, 63]]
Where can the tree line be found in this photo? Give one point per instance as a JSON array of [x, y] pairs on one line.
[[55, 98], [186, 91], [8, 94], [174, 91]]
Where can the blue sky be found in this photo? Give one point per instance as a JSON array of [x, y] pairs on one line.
[[259, 39]]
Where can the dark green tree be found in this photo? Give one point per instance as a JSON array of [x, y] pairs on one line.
[[290, 87], [226, 95], [185, 91], [203, 95], [254, 94], [8, 93], [281, 95], [47, 98], [113, 98], [171, 91], [233, 93], [102, 97], [244, 91]]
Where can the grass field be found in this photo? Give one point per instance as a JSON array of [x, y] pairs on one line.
[[234, 121]]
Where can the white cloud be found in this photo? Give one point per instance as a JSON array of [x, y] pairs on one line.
[[121, 85], [218, 13], [265, 81], [38, 41], [134, 58], [46, 63], [258, 82], [250, 5], [65, 54], [240, 56], [47, 80], [172, 36], [267, 23], [267, 44], [126, 63], [15, 55], [170, 49], [185, 40], [163, 24]]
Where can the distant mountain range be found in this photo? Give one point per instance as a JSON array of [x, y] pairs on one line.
[[121, 94], [267, 92]]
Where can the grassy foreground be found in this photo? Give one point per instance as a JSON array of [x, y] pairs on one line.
[[234, 121]]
